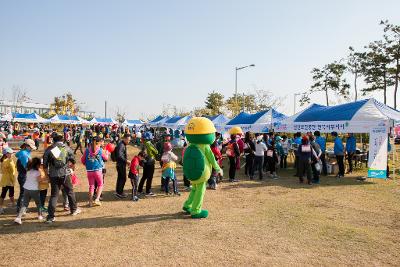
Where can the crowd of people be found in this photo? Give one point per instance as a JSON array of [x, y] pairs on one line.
[[263, 154]]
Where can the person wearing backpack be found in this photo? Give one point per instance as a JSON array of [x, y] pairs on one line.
[[23, 156], [233, 153], [121, 158], [55, 164], [306, 154], [93, 159]]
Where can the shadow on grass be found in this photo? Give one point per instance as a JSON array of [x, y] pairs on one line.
[[287, 180], [33, 226]]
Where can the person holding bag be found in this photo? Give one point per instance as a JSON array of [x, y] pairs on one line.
[[316, 165]]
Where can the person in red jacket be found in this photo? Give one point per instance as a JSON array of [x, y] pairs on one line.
[[134, 173]]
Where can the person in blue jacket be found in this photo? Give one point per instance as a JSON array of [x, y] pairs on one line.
[[296, 144], [321, 141], [350, 150], [338, 149], [23, 156]]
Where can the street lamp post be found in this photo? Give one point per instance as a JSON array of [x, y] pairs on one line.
[[236, 71]]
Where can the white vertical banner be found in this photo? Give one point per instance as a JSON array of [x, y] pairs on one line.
[[378, 152]]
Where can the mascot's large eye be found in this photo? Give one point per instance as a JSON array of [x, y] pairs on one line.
[[190, 126]]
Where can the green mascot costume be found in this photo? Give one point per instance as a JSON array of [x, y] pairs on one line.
[[198, 162]]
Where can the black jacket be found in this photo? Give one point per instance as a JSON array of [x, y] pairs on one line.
[[121, 155]]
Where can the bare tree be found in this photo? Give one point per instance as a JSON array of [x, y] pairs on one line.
[[265, 100], [120, 114], [19, 96]]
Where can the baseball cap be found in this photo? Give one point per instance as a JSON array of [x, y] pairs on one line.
[[8, 150], [30, 143]]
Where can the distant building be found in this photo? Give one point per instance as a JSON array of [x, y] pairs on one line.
[[30, 107]]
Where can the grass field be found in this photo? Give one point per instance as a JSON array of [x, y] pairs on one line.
[[273, 222]]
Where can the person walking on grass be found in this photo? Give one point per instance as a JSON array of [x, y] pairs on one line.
[[316, 162], [261, 148], [351, 148], [338, 149], [134, 173], [7, 181], [285, 145], [148, 165], [31, 189], [93, 159], [55, 164], [168, 160], [272, 159], [249, 149], [23, 156], [78, 141], [305, 153], [122, 162], [233, 153], [321, 141]]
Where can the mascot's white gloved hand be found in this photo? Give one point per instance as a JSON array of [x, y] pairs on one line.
[[221, 172]]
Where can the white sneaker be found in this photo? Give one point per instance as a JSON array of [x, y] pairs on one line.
[[76, 212], [18, 221], [40, 218]]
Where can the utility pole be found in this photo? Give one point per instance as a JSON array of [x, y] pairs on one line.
[[105, 109]]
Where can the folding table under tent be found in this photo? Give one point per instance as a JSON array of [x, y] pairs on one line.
[[132, 123], [24, 118], [65, 119], [355, 117], [106, 121], [260, 122]]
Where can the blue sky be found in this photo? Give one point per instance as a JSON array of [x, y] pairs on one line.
[[141, 55]]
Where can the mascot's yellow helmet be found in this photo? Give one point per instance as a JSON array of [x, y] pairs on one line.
[[199, 125], [236, 130]]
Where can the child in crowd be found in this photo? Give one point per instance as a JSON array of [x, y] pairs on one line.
[[7, 181], [134, 173], [31, 189], [70, 171], [168, 160], [43, 187]]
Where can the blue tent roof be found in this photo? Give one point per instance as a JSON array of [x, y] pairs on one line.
[[157, 119], [335, 113], [246, 118], [217, 119], [174, 119], [104, 120], [134, 121], [30, 116]]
